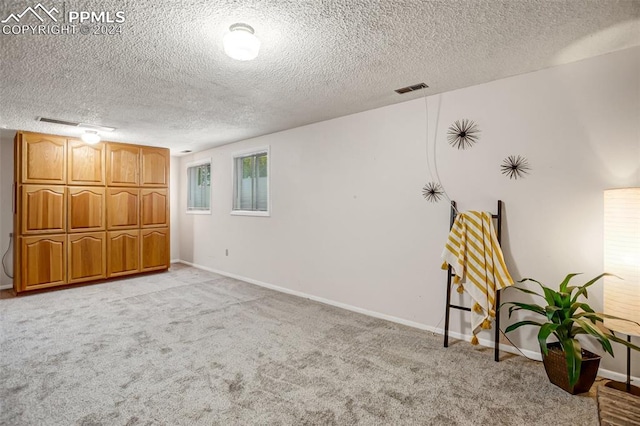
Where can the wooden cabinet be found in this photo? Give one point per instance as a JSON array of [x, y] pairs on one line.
[[87, 208], [86, 163], [154, 248], [123, 208], [154, 166], [87, 257], [154, 210], [88, 212], [43, 262], [43, 159], [123, 163], [123, 252], [43, 209]]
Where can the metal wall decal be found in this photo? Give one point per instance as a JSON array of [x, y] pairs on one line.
[[463, 134], [432, 192], [515, 167]]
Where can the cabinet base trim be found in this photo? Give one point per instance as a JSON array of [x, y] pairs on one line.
[[56, 287]]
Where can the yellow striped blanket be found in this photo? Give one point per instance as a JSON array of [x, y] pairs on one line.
[[475, 256]]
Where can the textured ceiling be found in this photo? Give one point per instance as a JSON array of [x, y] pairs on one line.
[[166, 81]]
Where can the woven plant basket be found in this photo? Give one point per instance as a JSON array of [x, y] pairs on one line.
[[555, 365], [617, 407]]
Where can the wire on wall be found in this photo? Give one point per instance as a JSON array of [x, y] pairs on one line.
[[434, 189], [426, 136], [4, 266]]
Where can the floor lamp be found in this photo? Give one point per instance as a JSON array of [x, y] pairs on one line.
[[622, 258]]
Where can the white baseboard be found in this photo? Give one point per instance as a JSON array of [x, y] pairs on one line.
[[6, 286], [607, 374]]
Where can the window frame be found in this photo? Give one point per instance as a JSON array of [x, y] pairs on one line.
[[249, 153], [195, 164]]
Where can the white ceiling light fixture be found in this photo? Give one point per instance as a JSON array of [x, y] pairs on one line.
[[90, 137], [240, 43]]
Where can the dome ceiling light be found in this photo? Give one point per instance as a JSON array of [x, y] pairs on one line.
[[240, 43], [90, 137]]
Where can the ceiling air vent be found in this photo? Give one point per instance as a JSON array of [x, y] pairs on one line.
[[74, 124], [54, 121], [408, 89]]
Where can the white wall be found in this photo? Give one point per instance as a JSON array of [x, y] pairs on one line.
[[6, 213], [348, 220]]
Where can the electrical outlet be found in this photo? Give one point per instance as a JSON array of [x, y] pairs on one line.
[[226, 252]]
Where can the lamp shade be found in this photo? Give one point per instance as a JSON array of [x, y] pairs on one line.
[[240, 43], [622, 258]]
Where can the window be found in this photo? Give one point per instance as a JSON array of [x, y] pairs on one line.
[[251, 183], [199, 187]]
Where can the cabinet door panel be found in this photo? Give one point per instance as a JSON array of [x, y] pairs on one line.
[[86, 208], [86, 163], [123, 163], [122, 208], [123, 252], [154, 166], [43, 262], [155, 208], [87, 257], [154, 249], [43, 209], [43, 159]]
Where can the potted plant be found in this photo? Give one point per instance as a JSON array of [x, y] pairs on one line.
[[565, 316]]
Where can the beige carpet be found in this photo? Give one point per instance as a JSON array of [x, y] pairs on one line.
[[188, 347]]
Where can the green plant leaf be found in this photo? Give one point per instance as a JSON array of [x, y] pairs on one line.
[[579, 305], [548, 293], [552, 297], [526, 306], [525, 290], [582, 290], [623, 342], [593, 317], [573, 355], [552, 311], [565, 282], [531, 279], [595, 332], [565, 331], [603, 315], [544, 333], [520, 324]]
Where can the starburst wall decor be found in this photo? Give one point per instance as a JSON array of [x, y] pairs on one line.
[[463, 134], [515, 167], [432, 192]]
